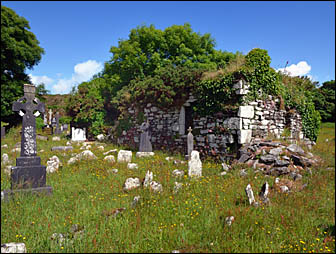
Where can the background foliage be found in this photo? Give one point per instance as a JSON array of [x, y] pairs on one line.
[[19, 50]]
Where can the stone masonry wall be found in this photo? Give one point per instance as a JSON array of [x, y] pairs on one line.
[[213, 135]]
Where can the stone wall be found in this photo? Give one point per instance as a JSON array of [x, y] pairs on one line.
[[213, 135]]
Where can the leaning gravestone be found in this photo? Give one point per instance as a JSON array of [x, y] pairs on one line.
[[28, 175], [190, 142], [145, 144]]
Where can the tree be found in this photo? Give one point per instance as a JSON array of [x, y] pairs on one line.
[[86, 105], [41, 91], [19, 50], [148, 49], [324, 100]]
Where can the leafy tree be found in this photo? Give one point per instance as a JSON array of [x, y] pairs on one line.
[[19, 50], [148, 49], [324, 100], [41, 91], [86, 106]]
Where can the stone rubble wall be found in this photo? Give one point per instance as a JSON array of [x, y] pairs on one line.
[[218, 135]]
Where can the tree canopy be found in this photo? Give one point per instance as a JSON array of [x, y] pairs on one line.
[[149, 49], [19, 50]]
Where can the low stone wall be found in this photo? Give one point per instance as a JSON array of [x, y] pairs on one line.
[[213, 135]]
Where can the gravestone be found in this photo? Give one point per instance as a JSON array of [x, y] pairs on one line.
[[53, 122], [57, 130], [28, 175], [190, 142], [145, 144], [45, 121], [78, 134], [3, 130], [50, 116]]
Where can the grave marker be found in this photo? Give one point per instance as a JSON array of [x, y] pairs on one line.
[[28, 174], [190, 142], [57, 130], [145, 144]]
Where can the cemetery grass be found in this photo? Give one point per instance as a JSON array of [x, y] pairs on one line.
[[192, 220]]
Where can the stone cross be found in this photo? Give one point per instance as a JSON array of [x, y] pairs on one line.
[[50, 116], [28, 172], [28, 107], [57, 131], [145, 144], [190, 142]]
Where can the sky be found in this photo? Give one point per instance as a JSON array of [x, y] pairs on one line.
[[77, 35]]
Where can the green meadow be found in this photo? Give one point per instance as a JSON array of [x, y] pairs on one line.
[[191, 220]]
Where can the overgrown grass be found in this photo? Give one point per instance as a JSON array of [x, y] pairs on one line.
[[193, 220]]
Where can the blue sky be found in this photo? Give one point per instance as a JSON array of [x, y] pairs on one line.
[[77, 36]]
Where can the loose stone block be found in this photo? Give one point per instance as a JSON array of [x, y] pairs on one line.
[[109, 158], [131, 183], [244, 136], [124, 156], [246, 111], [132, 166], [144, 154], [13, 248]]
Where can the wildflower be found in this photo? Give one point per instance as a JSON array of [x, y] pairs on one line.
[[302, 242]]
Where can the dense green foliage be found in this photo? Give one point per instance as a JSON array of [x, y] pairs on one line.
[[41, 91], [149, 49], [86, 106], [19, 50], [298, 93], [215, 95], [152, 66], [324, 100], [168, 87]]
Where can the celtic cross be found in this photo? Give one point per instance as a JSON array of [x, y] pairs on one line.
[[28, 107]]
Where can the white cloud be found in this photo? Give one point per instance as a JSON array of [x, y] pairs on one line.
[[36, 80], [300, 69], [82, 72]]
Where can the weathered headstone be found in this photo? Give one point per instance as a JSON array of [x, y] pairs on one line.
[[195, 165], [53, 122], [3, 130], [45, 120], [145, 144], [190, 142], [50, 116], [78, 134], [57, 130], [28, 174]]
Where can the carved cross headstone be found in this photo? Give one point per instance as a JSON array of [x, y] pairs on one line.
[[57, 131], [190, 142], [145, 144], [28, 172]]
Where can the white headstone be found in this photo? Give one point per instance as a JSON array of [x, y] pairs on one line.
[[195, 165], [78, 134]]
